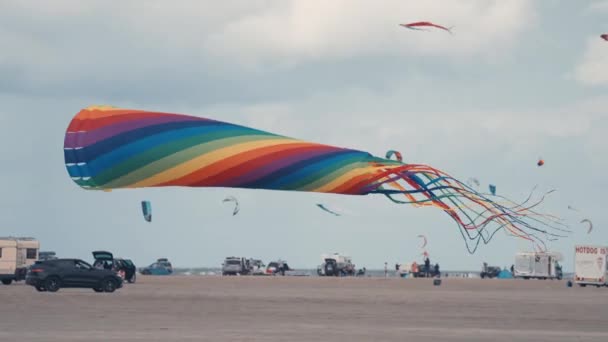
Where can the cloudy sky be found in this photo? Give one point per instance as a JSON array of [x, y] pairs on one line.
[[518, 80]]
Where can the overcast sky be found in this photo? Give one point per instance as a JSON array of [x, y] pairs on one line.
[[517, 80]]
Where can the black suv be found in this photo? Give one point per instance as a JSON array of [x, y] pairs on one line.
[[51, 275]]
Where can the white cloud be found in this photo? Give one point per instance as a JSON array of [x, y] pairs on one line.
[[593, 67], [75, 36], [598, 6], [297, 31]]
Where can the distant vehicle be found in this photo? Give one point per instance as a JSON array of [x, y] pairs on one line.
[[16, 255], [235, 266], [257, 267], [489, 271], [162, 266], [51, 275], [123, 267], [336, 265], [47, 255], [422, 272], [591, 265], [278, 267], [538, 265]]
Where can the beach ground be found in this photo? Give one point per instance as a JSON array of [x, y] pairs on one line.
[[208, 308]]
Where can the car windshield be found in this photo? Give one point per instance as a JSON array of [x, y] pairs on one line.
[[233, 262], [128, 262]]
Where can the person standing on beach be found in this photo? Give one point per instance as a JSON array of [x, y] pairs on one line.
[[427, 267], [385, 269]]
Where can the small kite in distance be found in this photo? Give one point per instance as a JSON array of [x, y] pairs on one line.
[[540, 162], [416, 25], [605, 36], [472, 181], [590, 225], [492, 189], [424, 239], [397, 155], [322, 206], [146, 209], [236, 204]]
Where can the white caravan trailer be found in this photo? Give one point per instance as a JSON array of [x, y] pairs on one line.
[[538, 265], [16, 255], [591, 265]]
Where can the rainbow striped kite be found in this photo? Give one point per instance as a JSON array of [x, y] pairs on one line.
[[111, 148]]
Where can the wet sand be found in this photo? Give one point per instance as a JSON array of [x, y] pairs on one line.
[[183, 308]]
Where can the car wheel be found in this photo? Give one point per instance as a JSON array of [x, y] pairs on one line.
[[132, 279], [52, 284], [98, 289], [40, 288], [108, 285], [7, 281]]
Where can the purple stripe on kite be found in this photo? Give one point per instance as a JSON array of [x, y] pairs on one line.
[[94, 136], [274, 166]]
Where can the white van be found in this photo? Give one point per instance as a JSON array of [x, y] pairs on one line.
[[591, 265], [16, 255]]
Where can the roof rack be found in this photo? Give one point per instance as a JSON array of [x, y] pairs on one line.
[[23, 238]]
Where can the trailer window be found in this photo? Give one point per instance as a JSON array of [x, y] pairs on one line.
[[30, 253]]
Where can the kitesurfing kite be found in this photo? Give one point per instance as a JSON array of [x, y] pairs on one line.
[[605, 36], [236, 204], [146, 209], [540, 162], [590, 225], [116, 148], [327, 209], [472, 181], [417, 26], [492, 189], [392, 153], [424, 240]]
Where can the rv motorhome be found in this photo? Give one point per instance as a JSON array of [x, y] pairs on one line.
[[538, 265], [16, 255]]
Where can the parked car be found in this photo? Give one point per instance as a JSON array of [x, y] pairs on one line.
[[47, 255], [51, 275], [123, 267], [128, 267], [422, 272], [336, 265], [278, 267], [162, 266], [489, 271], [234, 266]]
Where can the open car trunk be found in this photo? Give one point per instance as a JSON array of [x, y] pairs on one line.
[[103, 255]]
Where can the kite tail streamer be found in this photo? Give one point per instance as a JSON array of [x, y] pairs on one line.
[[108, 148], [476, 214]]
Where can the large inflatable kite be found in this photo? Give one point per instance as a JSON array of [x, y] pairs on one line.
[[112, 148]]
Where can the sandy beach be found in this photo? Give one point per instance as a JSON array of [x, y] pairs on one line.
[[183, 308]]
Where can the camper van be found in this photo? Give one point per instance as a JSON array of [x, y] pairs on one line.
[[16, 255], [591, 265], [538, 265]]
